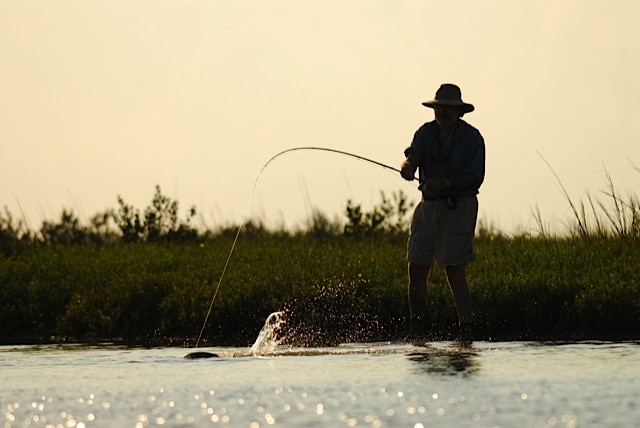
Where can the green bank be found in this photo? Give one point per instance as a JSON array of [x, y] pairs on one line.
[[152, 279], [331, 290]]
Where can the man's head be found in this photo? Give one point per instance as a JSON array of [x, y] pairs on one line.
[[448, 105]]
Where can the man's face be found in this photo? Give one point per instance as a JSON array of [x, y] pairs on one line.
[[446, 116]]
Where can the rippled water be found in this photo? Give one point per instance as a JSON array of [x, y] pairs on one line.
[[376, 385]]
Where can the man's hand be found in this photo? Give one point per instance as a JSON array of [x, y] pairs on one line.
[[407, 170]]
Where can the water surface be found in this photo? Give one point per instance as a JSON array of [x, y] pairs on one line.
[[593, 384]]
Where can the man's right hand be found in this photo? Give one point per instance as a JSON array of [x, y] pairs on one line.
[[407, 170]]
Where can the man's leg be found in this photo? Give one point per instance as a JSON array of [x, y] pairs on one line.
[[417, 297], [457, 278]]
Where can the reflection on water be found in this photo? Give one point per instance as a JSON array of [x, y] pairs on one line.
[[356, 384], [446, 362]]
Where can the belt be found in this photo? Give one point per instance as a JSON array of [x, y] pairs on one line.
[[452, 201], [444, 198]]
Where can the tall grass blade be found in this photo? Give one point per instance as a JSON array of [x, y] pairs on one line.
[[581, 227]]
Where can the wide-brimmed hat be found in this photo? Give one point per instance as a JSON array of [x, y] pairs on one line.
[[449, 95]]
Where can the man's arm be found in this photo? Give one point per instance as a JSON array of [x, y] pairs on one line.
[[409, 166]]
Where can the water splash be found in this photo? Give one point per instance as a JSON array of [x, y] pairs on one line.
[[268, 340]]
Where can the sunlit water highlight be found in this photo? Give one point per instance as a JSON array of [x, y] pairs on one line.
[[375, 385]]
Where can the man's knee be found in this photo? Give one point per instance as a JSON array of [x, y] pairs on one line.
[[418, 272]]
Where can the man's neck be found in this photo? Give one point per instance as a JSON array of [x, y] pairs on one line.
[[446, 133], [448, 127]]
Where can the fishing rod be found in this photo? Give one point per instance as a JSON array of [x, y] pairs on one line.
[[327, 149], [224, 269]]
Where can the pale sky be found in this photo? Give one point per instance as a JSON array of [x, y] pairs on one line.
[[113, 97]]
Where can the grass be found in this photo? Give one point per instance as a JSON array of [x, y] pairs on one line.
[[334, 283], [613, 217], [335, 290]]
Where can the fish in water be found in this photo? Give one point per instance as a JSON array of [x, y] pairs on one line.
[[200, 354]]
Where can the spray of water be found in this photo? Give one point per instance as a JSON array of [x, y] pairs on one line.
[[243, 221], [268, 340]]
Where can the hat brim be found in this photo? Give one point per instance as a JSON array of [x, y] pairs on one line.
[[464, 107]]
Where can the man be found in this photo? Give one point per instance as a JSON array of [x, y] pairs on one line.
[[449, 155]]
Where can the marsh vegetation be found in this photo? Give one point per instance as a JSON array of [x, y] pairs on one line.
[[148, 277]]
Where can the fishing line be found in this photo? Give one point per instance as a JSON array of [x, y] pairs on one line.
[[244, 215]]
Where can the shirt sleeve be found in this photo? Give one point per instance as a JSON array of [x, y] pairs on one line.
[[476, 154], [419, 143]]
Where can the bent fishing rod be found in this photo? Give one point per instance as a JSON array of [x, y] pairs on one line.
[[327, 149]]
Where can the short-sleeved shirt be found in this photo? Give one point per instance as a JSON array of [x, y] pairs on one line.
[[464, 155]]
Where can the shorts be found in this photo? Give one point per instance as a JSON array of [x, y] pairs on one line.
[[442, 234]]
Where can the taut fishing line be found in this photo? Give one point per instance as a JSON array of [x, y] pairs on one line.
[[235, 240]]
